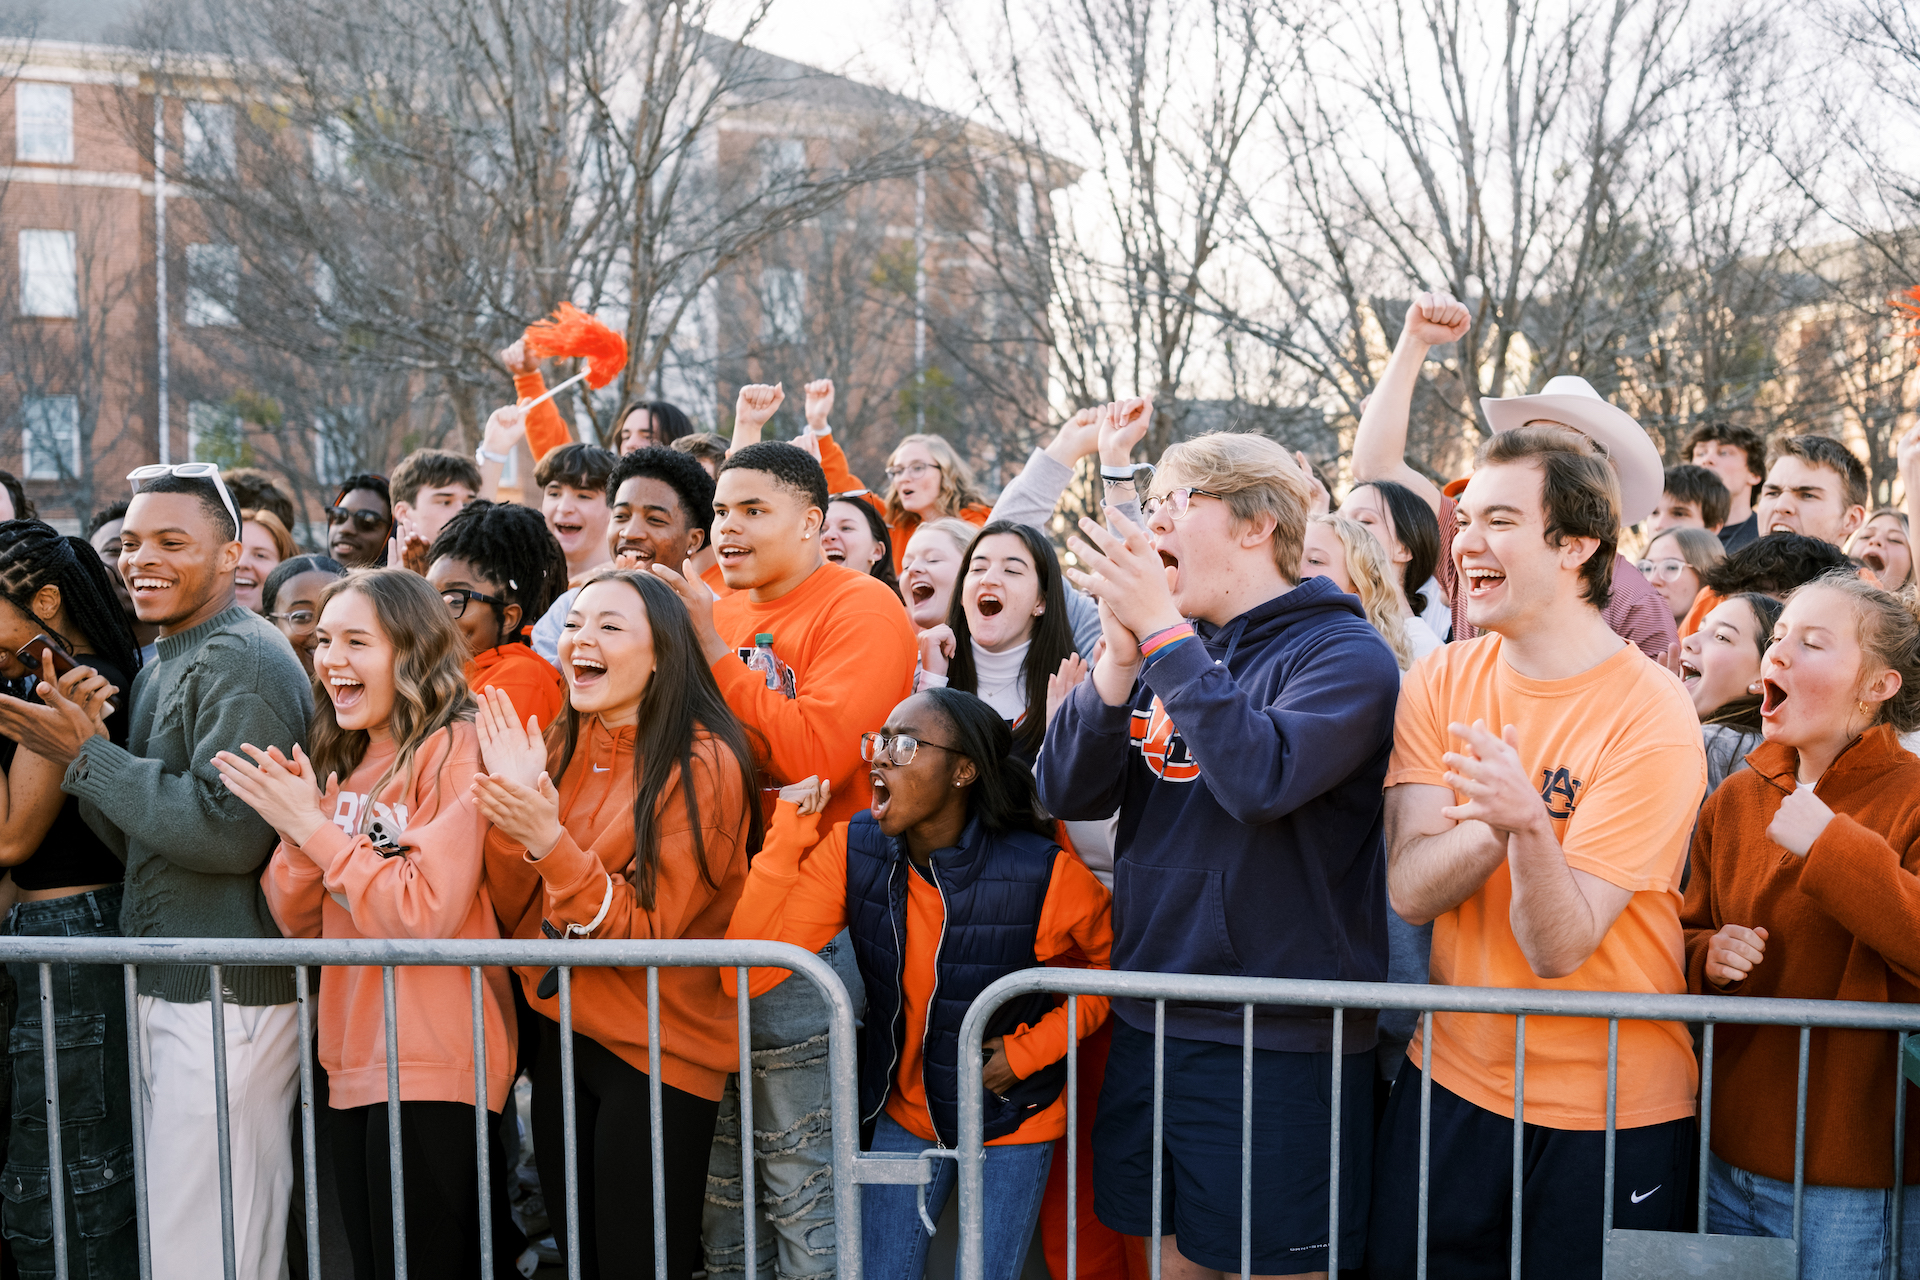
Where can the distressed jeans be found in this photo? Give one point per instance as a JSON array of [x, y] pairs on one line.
[[792, 1138]]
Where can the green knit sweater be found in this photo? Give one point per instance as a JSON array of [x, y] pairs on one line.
[[193, 849]]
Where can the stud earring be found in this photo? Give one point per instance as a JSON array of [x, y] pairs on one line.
[[1754, 687]]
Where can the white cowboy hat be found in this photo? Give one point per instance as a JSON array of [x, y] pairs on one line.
[[1573, 401]]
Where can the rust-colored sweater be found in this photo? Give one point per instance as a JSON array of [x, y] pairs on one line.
[[1843, 923], [699, 1041]]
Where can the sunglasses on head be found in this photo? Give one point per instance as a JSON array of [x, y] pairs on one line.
[[203, 471]]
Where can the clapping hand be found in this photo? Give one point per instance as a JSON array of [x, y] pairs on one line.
[[77, 707], [279, 789], [406, 549], [1073, 671], [1487, 770], [516, 794], [1125, 574]]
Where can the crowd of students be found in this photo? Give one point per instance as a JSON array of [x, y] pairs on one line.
[[722, 688]]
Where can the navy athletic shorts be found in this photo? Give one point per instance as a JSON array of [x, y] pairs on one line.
[[1200, 1141], [1563, 1175]]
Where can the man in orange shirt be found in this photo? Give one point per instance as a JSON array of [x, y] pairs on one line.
[[1544, 780], [844, 652]]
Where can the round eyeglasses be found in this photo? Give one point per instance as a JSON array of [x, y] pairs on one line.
[[895, 749]]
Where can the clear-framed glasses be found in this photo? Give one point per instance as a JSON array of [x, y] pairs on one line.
[[1176, 501], [457, 597], [1656, 569], [912, 471], [207, 471], [895, 749], [299, 622]]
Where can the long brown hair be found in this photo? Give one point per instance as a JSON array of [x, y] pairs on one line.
[[681, 700], [429, 675]]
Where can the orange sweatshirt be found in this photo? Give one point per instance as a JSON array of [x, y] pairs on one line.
[[524, 676], [1843, 923], [716, 581], [338, 886], [841, 480], [588, 869], [797, 893], [851, 648], [546, 429]]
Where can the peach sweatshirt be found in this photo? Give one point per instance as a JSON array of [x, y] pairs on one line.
[[338, 886]]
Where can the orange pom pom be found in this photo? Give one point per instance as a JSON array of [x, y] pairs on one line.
[[571, 334], [1909, 302]]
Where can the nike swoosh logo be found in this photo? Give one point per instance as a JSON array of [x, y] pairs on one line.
[[1638, 1196], [600, 768]]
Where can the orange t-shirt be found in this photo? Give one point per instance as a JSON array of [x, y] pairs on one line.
[[529, 680], [1621, 768], [797, 892], [850, 647], [716, 581], [841, 480]]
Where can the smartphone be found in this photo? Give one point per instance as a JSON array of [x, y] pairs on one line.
[[63, 662], [29, 654]]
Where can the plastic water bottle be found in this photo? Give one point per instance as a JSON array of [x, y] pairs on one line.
[[777, 674]]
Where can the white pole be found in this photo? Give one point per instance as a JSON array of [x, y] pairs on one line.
[[163, 381], [920, 298]]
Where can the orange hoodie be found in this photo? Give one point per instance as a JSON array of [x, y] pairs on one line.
[[841, 480], [851, 648], [338, 886], [524, 676], [546, 429], [797, 893], [587, 871]]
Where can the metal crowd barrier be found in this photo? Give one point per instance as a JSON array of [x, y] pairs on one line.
[[1626, 1253], [850, 1167]]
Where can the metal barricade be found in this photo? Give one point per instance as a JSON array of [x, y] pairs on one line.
[[1627, 1254], [850, 1167]]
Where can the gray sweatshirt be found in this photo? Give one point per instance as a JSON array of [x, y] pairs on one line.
[[193, 849]]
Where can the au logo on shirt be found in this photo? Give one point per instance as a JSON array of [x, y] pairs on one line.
[[1161, 745], [1561, 791]]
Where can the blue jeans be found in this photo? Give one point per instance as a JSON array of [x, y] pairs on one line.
[[892, 1239], [1844, 1231], [96, 1107]]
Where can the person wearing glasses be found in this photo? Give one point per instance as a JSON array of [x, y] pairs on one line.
[[1677, 562], [290, 600], [1240, 719], [949, 881], [360, 521], [193, 853], [495, 566]]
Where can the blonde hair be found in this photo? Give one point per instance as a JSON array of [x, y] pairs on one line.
[[954, 527], [430, 690], [1373, 582], [1700, 549], [283, 544], [957, 490], [1256, 477]]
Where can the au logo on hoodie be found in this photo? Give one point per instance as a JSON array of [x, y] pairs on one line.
[[1161, 745]]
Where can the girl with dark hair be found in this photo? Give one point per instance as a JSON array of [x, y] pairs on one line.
[[649, 422], [955, 814], [498, 569], [855, 535], [1006, 630], [68, 884], [632, 819], [290, 600], [18, 505], [389, 846], [1407, 531], [1720, 666]]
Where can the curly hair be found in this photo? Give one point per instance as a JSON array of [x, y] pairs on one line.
[[1775, 565], [430, 690], [512, 546], [680, 472], [957, 488]]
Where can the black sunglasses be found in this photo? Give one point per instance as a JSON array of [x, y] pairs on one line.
[[364, 520]]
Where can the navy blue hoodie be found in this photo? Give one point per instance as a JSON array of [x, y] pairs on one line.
[[1250, 839]]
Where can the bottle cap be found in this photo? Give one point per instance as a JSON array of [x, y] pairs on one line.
[[765, 637]]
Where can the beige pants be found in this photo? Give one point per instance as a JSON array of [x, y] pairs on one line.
[[183, 1140]]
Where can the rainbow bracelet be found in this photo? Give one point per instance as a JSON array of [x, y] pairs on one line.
[[1160, 641]]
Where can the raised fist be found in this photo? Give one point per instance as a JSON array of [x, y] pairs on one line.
[[1436, 318], [757, 402], [1123, 428], [518, 362], [819, 405]]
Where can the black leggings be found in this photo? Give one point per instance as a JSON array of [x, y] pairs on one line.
[[616, 1160], [442, 1176]]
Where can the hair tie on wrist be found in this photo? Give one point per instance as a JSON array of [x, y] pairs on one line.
[[1117, 475]]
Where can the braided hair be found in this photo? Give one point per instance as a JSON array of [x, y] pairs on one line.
[[511, 545], [34, 555]]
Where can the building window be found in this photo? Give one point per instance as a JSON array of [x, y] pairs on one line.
[[783, 304], [782, 161], [213, 284], [207, 130], [50, 437], [215, 434], [43, 123], [49, 283], [1023, 209]]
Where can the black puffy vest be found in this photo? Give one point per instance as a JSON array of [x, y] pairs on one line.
[[994, 888]]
